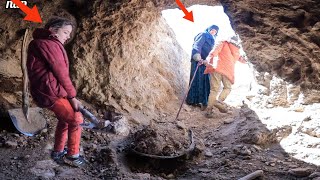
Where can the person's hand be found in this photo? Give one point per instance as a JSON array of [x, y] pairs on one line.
[[197, 57], [75, 103], [205, 62], [200, 62]]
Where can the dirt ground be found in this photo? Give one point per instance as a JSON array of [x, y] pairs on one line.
[[228, 146]]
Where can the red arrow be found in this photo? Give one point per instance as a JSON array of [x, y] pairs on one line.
[[188, 15], [31, 14]]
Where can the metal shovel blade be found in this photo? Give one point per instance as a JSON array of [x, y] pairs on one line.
[[35, 123]]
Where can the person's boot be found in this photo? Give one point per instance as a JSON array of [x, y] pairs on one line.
[[221, 107], [209, 113], [203, 107]]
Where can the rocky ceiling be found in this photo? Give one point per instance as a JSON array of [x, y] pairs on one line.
[[125, 56]]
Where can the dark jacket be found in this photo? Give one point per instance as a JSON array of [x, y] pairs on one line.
[[203, 44], [48, 69]]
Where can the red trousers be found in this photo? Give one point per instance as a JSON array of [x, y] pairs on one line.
[[68, 127]]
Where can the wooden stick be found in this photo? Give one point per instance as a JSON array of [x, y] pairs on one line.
[[253, 175], [25, 92]]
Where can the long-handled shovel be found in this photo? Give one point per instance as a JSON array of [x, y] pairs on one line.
[[115, 125], [27, 120], [185, 96]]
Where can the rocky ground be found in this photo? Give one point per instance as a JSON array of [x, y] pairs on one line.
[[228, 146]]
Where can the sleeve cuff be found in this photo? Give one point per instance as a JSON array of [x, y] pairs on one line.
[[70, 98]]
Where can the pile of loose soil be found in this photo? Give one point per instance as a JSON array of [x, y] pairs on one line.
[[160, 140]]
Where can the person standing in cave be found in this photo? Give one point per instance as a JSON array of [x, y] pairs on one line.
[[200, 87], [220, 66], [51, 87]]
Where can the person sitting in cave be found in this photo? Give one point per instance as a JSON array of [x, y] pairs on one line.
[[220, 66], [51, 87], [200, 88]]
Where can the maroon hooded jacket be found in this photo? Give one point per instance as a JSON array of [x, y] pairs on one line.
[[48, 69]]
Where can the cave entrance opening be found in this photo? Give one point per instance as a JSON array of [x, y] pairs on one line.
[[205, 16]]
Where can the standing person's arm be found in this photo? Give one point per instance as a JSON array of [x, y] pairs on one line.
[[197, 46], [213, 53]]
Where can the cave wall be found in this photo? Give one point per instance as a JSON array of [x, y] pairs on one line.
[[281, 39], [125, 56], [128, 58]]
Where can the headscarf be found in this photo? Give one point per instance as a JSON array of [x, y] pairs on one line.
[[213, 27], [235, 40]]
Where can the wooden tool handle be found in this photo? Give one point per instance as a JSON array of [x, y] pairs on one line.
[[25, 91]]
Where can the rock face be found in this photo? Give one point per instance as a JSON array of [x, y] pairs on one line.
[[128, 59], [282, 39], [125, 56]]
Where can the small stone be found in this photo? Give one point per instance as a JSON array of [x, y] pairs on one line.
[[181, 125], [208, 154], [93, 146], [26, 157], [299, 109], [204, 170], [49, 146], [245, 151], [224, 149], [11, 144], [143, 176], [170, 176], [228, 121], [44, 131], [272, 164], [293, 166], [300, 172], [315, 174], [51, 135], [187, 108], [257, 148], [270, 106]]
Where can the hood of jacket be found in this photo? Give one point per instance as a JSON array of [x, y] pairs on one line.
[[41, 33]]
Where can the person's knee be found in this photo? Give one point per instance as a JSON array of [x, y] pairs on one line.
[[78, 118], [227, 88], [75, 119]]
